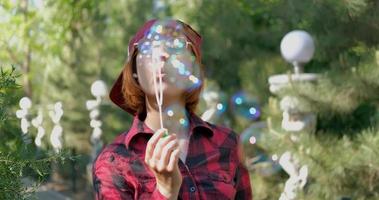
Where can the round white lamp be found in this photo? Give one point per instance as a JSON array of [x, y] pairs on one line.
[[297, 47]]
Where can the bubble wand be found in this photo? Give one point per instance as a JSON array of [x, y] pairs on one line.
[[158, 88]]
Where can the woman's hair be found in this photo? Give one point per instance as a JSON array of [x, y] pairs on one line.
[[134, 97]]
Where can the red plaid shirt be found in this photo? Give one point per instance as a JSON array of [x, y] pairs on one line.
[[212, 169]]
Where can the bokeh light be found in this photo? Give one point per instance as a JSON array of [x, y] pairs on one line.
[[245, 106]]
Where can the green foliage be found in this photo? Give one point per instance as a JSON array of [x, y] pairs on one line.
[[338, 166], [17, 158]]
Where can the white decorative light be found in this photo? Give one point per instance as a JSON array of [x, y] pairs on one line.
[[298, 177], [56, 113], [99, 90], [25, 104], [297, 47], [37, 123]]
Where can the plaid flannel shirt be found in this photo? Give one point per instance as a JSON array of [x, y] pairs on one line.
[[212, 169]]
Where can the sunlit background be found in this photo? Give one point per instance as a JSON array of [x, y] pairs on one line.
[[297, 80]]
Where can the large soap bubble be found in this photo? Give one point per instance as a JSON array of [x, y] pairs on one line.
[[166, 50]]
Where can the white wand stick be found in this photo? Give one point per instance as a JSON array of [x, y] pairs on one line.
[[156, 62]]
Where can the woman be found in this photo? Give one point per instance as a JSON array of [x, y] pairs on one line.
[[197, 162]]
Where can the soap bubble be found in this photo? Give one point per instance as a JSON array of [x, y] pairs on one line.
[[166, 50], [213, 101], [263, 165], [182, 70], [245, 106], [254, 155], [175, 118], [253, 133]]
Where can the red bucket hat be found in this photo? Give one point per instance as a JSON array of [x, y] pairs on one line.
[[116, 91]]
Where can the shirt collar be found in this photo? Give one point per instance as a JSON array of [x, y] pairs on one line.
[[139, 127]]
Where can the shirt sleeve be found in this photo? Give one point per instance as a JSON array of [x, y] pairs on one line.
[[109, 184]]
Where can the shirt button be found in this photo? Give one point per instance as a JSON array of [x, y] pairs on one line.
[[192, 189]]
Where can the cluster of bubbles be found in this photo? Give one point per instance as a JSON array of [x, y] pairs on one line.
[[243, 105], [166, 38]]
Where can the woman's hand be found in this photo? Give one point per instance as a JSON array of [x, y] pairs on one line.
[[162, 154]]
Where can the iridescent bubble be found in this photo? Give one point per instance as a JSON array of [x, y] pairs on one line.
[[263, 165], [166, 39], [182, 70], [214, 102], [175, 118], [255, 158], [253, 133], [246, 106]]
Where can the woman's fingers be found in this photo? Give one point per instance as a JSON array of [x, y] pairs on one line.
[[160, 145], [166, 154], [152, 143], [174, 158], [162, 153]]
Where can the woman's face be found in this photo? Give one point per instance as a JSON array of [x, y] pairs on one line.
[[167, 62]]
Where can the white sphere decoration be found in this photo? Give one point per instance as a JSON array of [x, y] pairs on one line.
[[92, 104], [297, 47], [98, 88], [25, 103]]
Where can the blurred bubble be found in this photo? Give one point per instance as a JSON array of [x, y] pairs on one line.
[[214, 102], [175, 118], [263, 165], [253, 133], [183, 71], [255, 158], [245, 106], [166, 39]]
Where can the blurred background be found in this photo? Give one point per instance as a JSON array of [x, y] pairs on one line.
[[305, 105]]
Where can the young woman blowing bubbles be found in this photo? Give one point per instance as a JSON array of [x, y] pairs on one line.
[[198, 160]]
